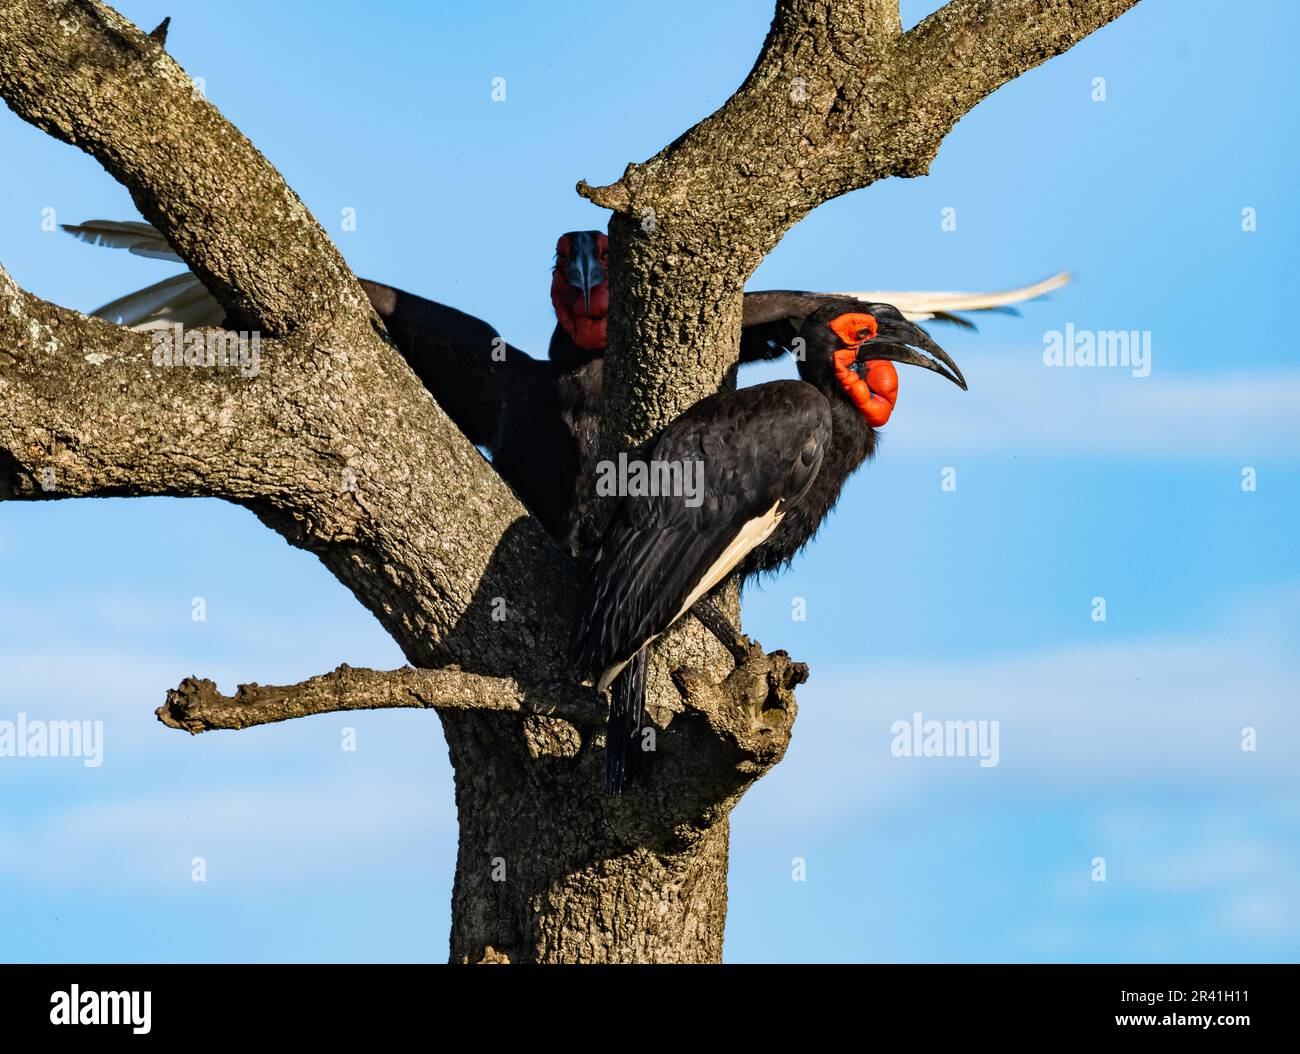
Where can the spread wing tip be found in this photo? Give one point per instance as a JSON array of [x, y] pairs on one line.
[[138, 238]]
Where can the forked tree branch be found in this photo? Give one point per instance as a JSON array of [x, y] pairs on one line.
[[416, 523], [838, 99]]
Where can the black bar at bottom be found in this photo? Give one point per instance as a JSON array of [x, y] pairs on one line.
[[338, 1003]]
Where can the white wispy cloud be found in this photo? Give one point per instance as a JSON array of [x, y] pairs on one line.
[[271, 804], [1086, 721], [370, 819], [1239, 867]]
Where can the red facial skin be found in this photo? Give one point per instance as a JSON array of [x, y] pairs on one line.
[[585, 327], [875, 395]]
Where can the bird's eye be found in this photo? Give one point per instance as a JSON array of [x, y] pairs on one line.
[[865, 334]]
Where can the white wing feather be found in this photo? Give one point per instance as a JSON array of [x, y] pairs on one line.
[[920, 306], [138, 238], [181, 298]]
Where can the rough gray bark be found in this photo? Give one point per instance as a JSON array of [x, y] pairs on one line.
[[418, 525]]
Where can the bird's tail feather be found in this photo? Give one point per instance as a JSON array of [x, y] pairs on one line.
[[623, 729]]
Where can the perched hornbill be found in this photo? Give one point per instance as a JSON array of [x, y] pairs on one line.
[[539, 419], [774, 458]]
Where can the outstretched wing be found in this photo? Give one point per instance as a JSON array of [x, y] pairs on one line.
[[459, 358], [772, 317], [462, 360]]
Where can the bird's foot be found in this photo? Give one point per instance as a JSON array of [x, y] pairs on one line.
[[740, 646]]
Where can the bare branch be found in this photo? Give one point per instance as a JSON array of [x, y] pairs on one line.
[[717, 739], [87, 76], [751, 709], [196, 705], [86, 410], [969, 48]]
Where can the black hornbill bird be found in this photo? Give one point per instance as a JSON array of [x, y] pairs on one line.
[[538, 419], [774, 459]]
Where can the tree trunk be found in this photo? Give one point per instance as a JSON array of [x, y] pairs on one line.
[[550, 868], [545, 871]]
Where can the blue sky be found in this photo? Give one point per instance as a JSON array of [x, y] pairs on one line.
[[1118, 739]]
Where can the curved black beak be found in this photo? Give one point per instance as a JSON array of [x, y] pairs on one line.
[[584, 270], [897, 339]]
